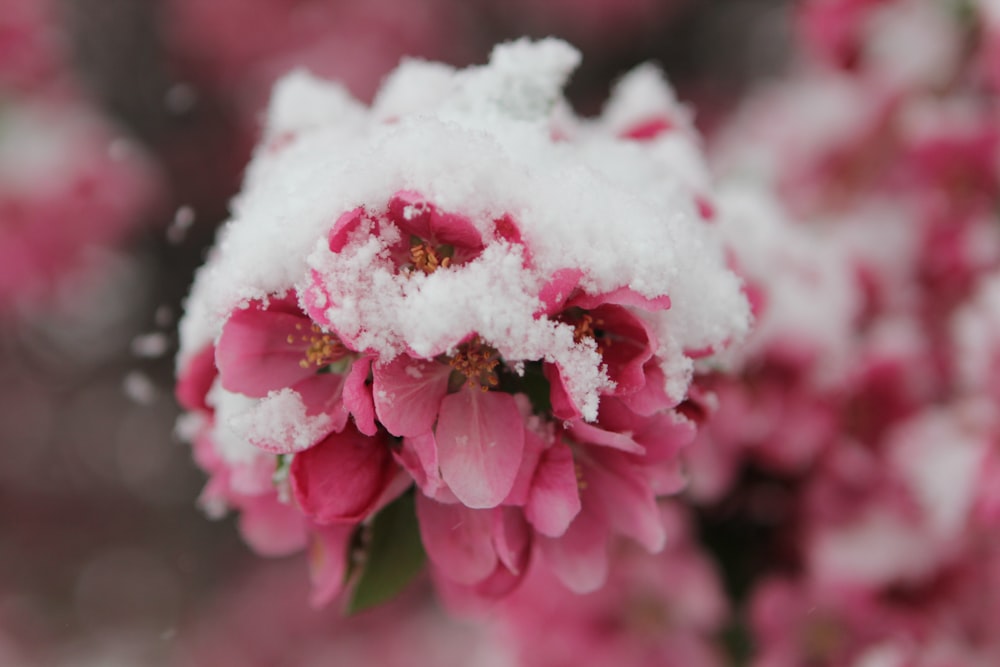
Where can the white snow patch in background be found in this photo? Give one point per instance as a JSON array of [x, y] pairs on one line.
[[150, 345], [139, 388]]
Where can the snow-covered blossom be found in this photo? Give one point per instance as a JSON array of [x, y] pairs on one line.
[[467, 289]]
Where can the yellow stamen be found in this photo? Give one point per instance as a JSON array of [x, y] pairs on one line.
[[590, 327], [477, 362], [322, 348], [425, 258]]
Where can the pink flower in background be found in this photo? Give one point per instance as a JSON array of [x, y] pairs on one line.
[[659, 609], [31, 46], [71, 185], [860, 434], [235, 46], [257, 619], [589, 22], [68, 189], [440, 307]]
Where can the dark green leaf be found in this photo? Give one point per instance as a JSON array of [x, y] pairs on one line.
[[394, 557]]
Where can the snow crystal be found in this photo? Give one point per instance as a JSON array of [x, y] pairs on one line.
[[139, 388], [151, 345], [179, 226]]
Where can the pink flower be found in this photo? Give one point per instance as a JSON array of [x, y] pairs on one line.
[[345, 478], [73, 174], [30, 41], [834, 30], [268, 348]]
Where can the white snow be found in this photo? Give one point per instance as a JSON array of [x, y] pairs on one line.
[[280, 419]]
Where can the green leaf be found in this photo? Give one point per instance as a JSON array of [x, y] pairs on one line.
[[394, 557]]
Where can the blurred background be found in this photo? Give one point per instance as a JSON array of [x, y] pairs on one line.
[[124, 129]]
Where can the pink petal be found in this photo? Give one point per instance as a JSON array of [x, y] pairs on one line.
[[511, 538], [555, 293], [418, 456], [341, 232], [649, 128], [196, 379], [480, 439], [589, 434], [665, 435], [499, 584], [623, 296], [323, 394], [652, 396], [458, 540], [563, 406], [628, 346], [666, 478], [254, 355], [328, 562], [580, 557], [619, 488], [534, 445], [507, 230], [413, 214], [272, 528], [407, 394], [554, 500], [358, 397], [662, 435], [342, 478]]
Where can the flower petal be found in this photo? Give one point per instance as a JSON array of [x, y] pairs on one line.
[[557, 291], [254, 355], [271, 527], [623, 296], [415, 215], [480, 439], [328, 561], [622, 491], [342, 478], [196, 379], [407, 394], [580, 557], [554, 499], [459, 540], [358, 396]]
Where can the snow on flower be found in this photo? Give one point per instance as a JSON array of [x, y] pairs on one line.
[[467, 289]]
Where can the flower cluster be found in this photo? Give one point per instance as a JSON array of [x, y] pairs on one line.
[[859, 439], [468, 291]]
